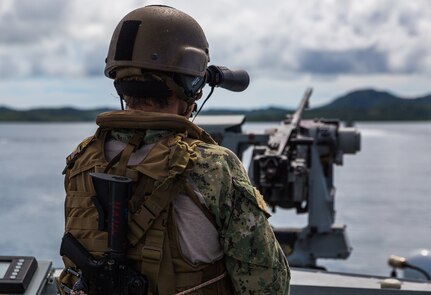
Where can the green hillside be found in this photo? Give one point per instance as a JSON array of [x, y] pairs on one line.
[[371, 105], [49, 115], [361, 105]]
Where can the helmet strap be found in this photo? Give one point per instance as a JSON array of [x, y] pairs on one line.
[[122, 102], [160, 85], [179, 91], [206, 99], [139, 88]]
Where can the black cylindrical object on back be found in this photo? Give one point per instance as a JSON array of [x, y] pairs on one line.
[[113, 192]]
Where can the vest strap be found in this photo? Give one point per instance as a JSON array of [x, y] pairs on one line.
[[166, 282], [142, 190], [123, 157], [156, 255], [151, 208], [152, 249]]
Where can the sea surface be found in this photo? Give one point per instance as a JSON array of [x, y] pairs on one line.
[[383, 192]]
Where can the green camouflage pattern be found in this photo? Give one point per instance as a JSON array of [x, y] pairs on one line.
[[253, 257], [151, 136]]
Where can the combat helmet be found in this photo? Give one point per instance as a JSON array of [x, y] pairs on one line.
[[160, 38]]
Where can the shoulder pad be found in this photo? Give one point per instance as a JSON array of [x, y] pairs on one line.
[[70, 160]]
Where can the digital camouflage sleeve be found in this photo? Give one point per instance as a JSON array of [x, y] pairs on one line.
[[254, 259]]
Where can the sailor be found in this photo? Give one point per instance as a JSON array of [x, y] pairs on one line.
[[212, 235]]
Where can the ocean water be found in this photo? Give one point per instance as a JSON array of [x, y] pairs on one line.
[[383, 192]]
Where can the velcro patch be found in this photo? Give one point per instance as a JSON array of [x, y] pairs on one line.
[[261, 202]]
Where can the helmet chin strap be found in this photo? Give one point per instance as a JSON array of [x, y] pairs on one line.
[[180, 93], [159, 85], [189, 110], [206, 99], [122, 102]]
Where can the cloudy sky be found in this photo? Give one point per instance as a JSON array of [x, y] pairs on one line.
[[52, 51]]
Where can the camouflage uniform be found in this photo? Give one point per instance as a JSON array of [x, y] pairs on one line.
[[238, 231], [253, 257]]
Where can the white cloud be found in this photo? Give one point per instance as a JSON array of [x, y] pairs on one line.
[[61, 37], [334, 45]]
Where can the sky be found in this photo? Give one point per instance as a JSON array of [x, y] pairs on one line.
[[52, 52]]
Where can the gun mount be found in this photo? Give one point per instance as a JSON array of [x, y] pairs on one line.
[[293, 167]]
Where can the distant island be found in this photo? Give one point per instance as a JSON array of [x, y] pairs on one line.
[[360, 105]]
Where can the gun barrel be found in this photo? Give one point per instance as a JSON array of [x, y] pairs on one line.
[[302, 106], [283, 139]]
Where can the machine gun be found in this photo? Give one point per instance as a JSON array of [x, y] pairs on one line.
[[293, 166], [110, 275]]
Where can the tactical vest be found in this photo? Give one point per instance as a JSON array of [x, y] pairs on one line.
[[158, 179]]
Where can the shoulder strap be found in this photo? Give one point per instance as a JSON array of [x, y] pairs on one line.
[[122, 158], [152, 207], [181, 157]]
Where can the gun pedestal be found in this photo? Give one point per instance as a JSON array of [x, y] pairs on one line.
[[320, 238], [304, 247], [292, 166]]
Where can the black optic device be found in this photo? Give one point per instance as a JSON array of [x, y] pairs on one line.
[[16, 273]]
